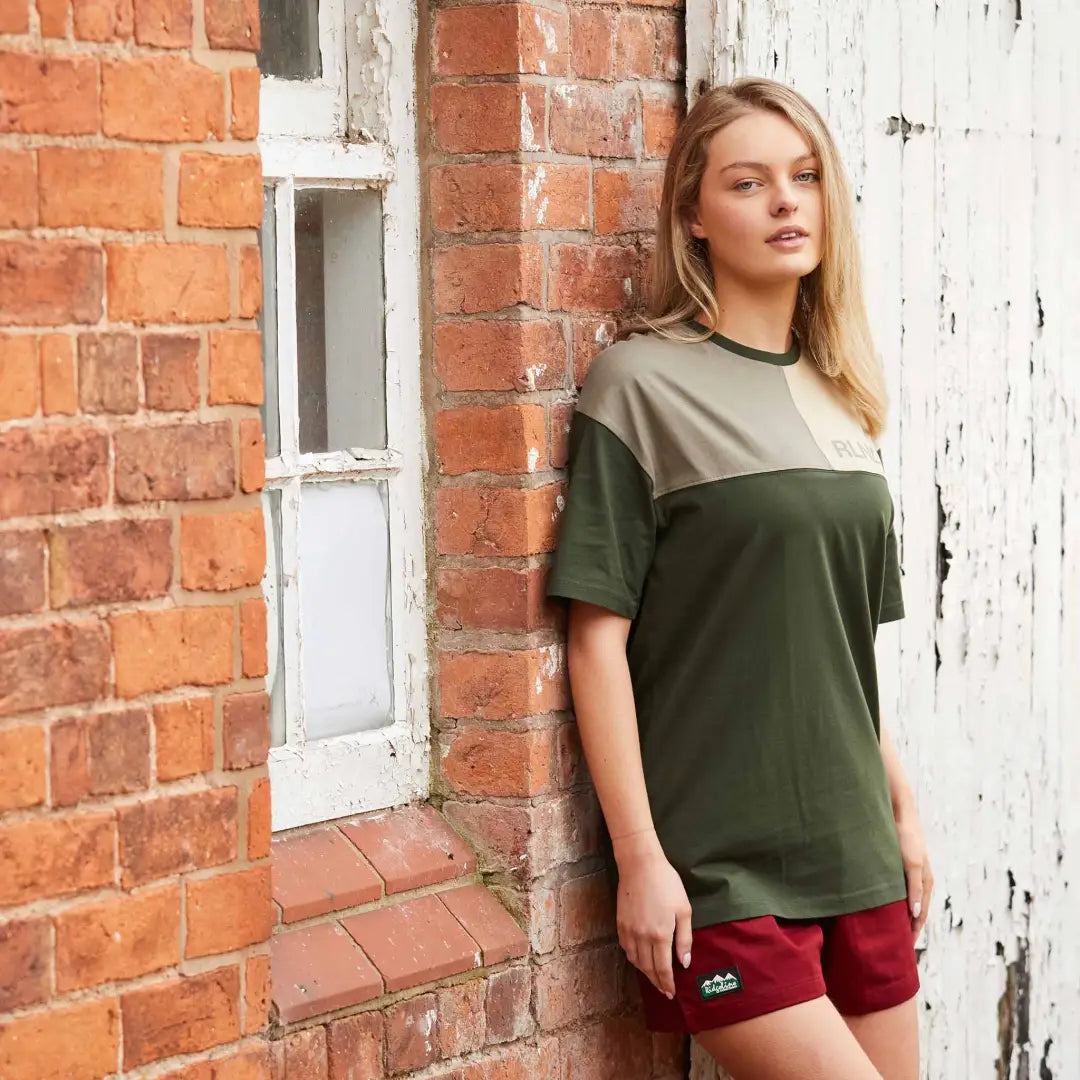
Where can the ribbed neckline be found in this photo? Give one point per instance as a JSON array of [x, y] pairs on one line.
[[783, 358]]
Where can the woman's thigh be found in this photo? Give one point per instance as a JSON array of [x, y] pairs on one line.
[[809, 1041], [890, 1039]]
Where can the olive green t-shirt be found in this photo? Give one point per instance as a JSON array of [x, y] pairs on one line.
[[730, 504]]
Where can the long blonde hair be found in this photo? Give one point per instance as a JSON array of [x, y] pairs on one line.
[[830, 316]]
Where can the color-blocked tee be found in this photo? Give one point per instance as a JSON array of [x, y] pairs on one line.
[[730, 504]]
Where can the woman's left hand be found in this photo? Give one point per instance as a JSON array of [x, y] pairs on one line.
[[920, 879]]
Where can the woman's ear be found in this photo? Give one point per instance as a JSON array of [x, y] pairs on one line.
[[693, 223]]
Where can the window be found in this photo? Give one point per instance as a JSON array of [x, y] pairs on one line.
[[345, 572]]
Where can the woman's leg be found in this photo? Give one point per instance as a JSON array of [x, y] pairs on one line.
[[890, 1039], [809, 1041]]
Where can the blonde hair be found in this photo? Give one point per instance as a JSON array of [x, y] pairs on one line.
[[830, 316]]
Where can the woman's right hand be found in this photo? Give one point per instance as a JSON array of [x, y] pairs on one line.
[[652, 907]]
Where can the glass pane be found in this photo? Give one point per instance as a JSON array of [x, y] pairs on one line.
[[339, 319], [268, 324], [290, 39], [345, 608], [275, 636]]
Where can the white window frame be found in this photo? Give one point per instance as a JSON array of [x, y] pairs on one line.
[[302, 143]]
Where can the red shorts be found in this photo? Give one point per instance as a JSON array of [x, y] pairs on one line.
[[864, 961]]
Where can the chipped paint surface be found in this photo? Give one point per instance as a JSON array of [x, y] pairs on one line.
[[369, 69], [528, 134], [955, 121]]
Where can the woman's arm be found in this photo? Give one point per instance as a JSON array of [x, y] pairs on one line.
[[652, 903]]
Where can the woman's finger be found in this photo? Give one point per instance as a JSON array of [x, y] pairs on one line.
[[683, 937], [661, 953], [914, 891]]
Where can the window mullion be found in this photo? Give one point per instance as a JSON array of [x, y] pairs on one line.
[[295, 735], [288, 365]]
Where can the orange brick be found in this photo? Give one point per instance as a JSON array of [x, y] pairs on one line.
[[171, 371], [184, 737], [52, 664], [494, 598], [244, 90], [648, 45], [19, 210], [483, 762], [56, 856], [180, 461], [174, 834], [232, 25], [161, 99], [22, 769], [228, 911], [157, 650], [592, 35], [587, 910], [590, 336], [354, 1047], [250, 282], [25, 950], [119, 938], [22, 573], [593, 120], [109, 189], [246, 730], [410, 1028], [488, 277], [500, 39], [103, 20], [252, 455], [502, 685], [626, 200], [560, 416], [256, 993], [182, 1016], [258, 846], [496, 520], [165, 23], [576, 986], [588, 277], [20, 376], [235, 368], [108, 373], [64, 1042], [220, 190], [660, 119], [461, 1027], [53, 15], [48, 95], [222, 551], [58, 393], [168, 283], [52, 469], [253, 638], [50, 282], [14, 16], [305, 1055], [488, 117], [509, 439], [105, 754], [496, 354]]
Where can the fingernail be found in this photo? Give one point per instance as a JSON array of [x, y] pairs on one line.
[[669, 996], [916, 911], [686, 960]]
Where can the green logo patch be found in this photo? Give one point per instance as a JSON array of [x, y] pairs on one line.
[[725, 981]]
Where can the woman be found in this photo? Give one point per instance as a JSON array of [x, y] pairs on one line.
[[729, 551]]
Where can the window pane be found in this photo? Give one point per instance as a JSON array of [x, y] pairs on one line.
[[275, 638], [345, 608], [339, 319], [268, 324], [290, 39]]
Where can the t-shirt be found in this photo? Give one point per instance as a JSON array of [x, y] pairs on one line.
[[729, 502]]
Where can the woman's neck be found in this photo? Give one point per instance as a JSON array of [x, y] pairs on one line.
[[755, 317]]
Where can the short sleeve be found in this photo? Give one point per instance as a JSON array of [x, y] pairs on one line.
[[608, 527], [892, 596]]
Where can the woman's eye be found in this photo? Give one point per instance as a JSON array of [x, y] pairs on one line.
[[808, 174], [742, 185]]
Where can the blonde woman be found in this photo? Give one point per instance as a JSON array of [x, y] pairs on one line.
[[729, 552]]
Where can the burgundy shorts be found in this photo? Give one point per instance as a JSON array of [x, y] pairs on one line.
[[864, 961]]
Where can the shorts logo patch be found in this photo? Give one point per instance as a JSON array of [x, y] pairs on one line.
[[725, 981]]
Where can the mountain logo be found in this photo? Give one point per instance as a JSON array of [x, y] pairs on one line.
[[726, 981]]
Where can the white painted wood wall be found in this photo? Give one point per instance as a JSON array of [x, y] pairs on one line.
[[958, 123]]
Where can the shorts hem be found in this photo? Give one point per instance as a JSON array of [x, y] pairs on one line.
[[875, 999]]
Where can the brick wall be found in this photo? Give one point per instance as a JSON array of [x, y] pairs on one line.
[[134, 879]]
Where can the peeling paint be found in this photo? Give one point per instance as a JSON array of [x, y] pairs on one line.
[[369, 74], [528, 135], [533, 458]]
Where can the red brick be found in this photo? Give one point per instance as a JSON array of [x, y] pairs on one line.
[[305, 1055], [509, 439], [119, 938], [250, 282], [177, 833], [108, 373], [496, 520], [507, 1005], [593, 120], [22, 772], [65, 1042], [626, 201], [14, 16], [252, 455], [460, 1028], [157, 650], [244, 92], [488, 923], [170, 364], [50, 470], [592, 37], [660, 119], [181, 1016], [53, 15], [105, 754], [22, 572], [502, 685], [235, 368], [184, 737], [493, 598], [561, 416], [258, 822], [488, 117], [648, 45], [25, 948], [102, 20], [56, 856], [228, 911], [667, 1053], [588, 277], [161, 99], [497, 354], [220, 190], [318, 872], [245, 733], [223, 551], [19, 210], [613, 1047], [572, 768], [20, 376], [576, 986], [48, 95], [478, 761], [52, 664], [253, 638], [165, 23], [58, 393], [49, 282], [168, 283], [590, 336], [178, 461], [483, 197], [410, 1034], [498, 833], [488, 277], [587, 910], [354, 1047], [500, 39], [232, 25], [256, 993], [109, 189]]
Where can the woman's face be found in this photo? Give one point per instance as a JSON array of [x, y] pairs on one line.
[[761, 179]]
